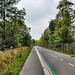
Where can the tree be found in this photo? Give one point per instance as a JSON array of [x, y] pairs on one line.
[[16, 22], [13, 31], [25, 36], [51, 29], [44, 40], [52, 26], [60, 29], [34, 42], [4, 6], [65, 18]]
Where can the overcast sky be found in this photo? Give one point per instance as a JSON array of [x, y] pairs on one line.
[[38, 14]]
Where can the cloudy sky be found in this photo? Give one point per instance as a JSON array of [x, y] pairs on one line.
[[38, 14]]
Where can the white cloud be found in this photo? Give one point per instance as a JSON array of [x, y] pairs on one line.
[[38, 14], [56, 1]]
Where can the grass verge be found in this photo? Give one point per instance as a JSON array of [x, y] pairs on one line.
[[72, 55], [11, 61]]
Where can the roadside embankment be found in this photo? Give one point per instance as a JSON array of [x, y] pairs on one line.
[[11, 61]]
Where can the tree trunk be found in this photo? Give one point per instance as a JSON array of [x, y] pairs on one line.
[[4, 37]]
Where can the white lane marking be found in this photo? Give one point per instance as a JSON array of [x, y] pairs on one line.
[[61, 59], [71, 64], [52, 54], [56, 56], [46, 69], [55, 52]]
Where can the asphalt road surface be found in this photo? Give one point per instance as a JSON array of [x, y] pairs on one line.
[[60, 63], [32, 65]]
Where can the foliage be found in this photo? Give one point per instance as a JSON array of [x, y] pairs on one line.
[[34, 42], [52, 29], [52, 26], [65, 18], [25, 36], [44, 40], [12, 61], [61, 29], [5, 9], [13, 30]]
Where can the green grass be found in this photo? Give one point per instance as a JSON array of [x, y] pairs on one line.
[[17, 62], [72, 55]]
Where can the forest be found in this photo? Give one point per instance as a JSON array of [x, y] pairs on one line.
[[13, 30], [62, 28], [16, 42], [15, 38]]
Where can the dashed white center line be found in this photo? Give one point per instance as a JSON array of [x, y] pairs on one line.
[[52, 54], [61, 59], [71, 64], [56, 56]]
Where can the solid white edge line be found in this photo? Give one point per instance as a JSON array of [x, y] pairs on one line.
[[56, 56], [52, 54], [43, 64]]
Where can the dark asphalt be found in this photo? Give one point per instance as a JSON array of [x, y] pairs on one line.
[[60, 63], [32, 65]]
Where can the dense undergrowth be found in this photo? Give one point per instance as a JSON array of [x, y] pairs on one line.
[[11, 61]]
